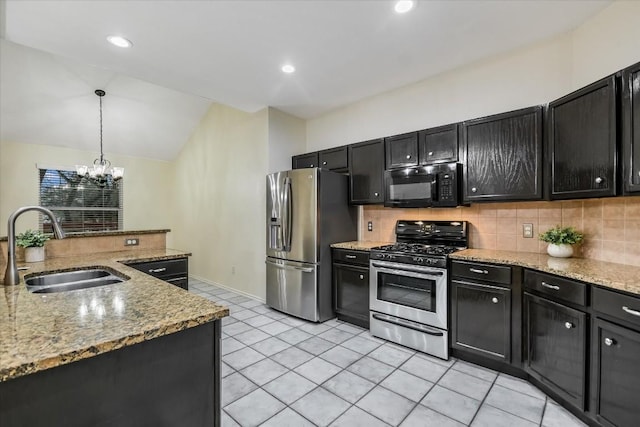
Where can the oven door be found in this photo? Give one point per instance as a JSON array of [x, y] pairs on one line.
[[410, 188], [409, 292]]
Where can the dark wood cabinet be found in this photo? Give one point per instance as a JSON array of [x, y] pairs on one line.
[[366, 172], [581, 135], [503, 156], [556, 347], [438, 145], [351, 286], [481, 319], [334, 159], [174, 271], [616, 374], [401, 150], [308, 160], [631, 128]]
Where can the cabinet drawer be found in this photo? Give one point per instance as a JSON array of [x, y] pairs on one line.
[[479, 271], [333, 159], [624, 307], [351, 256], [556, 287], [164, 268]]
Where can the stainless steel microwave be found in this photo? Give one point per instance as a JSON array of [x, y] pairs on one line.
[[435, 186]]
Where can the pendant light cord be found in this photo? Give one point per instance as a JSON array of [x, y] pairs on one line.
[[101, 154]]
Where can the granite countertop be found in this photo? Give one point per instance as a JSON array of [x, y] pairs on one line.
[[606, 274], [105, 233], [359, 245], [42, 331]]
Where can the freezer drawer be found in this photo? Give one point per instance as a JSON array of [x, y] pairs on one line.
[[292, 287]]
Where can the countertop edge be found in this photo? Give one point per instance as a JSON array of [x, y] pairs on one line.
[[72, 235]]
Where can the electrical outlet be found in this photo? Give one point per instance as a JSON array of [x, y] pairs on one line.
[[233, 270], [370, 226], [527, 231], [131, 242]]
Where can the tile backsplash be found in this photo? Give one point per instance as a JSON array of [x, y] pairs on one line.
[[611, 225]]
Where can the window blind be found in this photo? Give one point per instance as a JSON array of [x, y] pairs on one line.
[[79, 204]]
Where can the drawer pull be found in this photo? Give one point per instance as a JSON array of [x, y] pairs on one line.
[[630, 311], [361, 276], [494, 300], [609, 342], [568, 325], [157, 270], [476, 270], [350, 256], [547, 285], [431, 153]]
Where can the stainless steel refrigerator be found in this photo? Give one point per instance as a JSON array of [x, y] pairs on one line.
[[307, 211]]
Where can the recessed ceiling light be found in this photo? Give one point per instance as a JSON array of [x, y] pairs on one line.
[[404, 6], [119, 41], [288, 68]]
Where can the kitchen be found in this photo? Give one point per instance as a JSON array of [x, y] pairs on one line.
[[266, 139]]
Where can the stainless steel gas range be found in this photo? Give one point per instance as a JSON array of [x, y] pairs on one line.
[[408, 285]]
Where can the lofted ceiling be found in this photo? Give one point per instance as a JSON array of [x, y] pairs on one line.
[[188, 53]]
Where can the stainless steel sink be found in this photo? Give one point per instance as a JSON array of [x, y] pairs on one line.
[[71, 280]]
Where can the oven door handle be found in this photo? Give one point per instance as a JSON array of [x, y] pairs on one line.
[[406, 268], [408, 324]]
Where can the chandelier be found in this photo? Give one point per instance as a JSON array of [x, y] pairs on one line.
[[100, 170]]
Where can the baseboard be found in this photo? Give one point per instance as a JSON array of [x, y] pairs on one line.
[[220, 285]]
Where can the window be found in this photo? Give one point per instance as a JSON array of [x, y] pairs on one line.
[[79, 204]]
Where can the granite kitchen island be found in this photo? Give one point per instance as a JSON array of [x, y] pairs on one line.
[[140, 352]]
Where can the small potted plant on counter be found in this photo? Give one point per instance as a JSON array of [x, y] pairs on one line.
[[560, 240], [33, 244]]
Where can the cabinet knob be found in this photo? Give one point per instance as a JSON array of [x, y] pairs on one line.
[[376, 194], [474, 189], [324, 163], [408, 156], [599, 180], [361, 276], [311, 165], [430, 153], [494, 300], [568, 325], [609, 342]]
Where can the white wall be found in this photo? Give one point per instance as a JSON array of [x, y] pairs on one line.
[[147, 184], [287, 137], [536, 75], [219, 199]]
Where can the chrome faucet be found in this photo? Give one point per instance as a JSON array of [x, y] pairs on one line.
[[11, 276]]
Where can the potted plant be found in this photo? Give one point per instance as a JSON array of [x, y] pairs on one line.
[[33, 244], [560, 240]]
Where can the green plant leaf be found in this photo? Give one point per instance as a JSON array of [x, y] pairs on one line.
[[562, 236]]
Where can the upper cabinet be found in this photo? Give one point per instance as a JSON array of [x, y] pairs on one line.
[[503, 156], [309, 160], [334, 159], [366, 172], [631, 128], [438, 145], [581, 132], [402, 150]]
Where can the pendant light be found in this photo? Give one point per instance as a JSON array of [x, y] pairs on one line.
[[101, 167]]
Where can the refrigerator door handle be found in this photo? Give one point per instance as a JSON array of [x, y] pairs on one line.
[[290, 267], [288, 223]]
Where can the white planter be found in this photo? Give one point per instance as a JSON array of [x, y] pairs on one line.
[[34, 254], [560, 251]]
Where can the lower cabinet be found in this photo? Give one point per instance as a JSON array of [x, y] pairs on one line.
[[556, 347], [174, 271], [481, 319], [351, 286]]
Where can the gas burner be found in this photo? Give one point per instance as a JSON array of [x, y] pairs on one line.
[[418, 248]]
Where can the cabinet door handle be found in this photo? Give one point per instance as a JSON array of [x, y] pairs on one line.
[[408, 156], [494, 300], [376, 194], [474, 189], [568, 325], [475, 270], [547, 285], [361, 276], [324, 163], [631, 311], [609, 342], [157, 270], [431, 153], [311, 165], [599, 180], [350, 256]]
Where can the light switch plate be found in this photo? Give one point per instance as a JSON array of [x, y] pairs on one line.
[[527, 231]]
